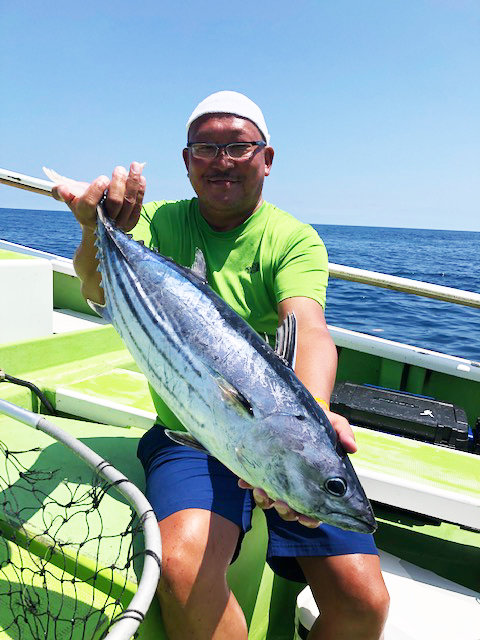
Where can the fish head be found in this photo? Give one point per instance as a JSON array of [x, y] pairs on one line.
[[335, 489], [310, 463]]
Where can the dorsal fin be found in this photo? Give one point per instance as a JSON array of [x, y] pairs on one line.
[[286, 340], [199, 266]]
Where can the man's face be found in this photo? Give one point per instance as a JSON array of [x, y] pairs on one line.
[[223, 184]]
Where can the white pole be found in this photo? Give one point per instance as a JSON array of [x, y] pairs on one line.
[[426, 289], [22, 181]]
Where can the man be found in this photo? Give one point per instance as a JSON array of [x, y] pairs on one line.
[[265, 264]]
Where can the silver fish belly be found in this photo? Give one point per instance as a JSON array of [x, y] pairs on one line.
[[237, 398]]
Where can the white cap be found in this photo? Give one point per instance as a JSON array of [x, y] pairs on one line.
[[231, 102]]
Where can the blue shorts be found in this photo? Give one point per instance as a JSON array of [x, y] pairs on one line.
[[179, 477]]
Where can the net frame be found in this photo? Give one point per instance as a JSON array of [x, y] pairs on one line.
[[125, 625]]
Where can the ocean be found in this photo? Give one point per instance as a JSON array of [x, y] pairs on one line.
[[449, 258]]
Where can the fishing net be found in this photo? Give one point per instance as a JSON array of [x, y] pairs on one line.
[[72, 548]]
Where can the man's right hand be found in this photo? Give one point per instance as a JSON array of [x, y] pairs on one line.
[[123, 202]]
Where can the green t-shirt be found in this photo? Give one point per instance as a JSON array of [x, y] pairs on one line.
[[270, 257]]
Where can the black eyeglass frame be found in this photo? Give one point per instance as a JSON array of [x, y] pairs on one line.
[[257, 143]]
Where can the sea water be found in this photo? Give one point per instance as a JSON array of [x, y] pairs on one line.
[[448, 258]]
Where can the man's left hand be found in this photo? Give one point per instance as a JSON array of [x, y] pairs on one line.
[[345, 436], [343, 430]]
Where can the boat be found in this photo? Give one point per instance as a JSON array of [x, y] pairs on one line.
[[422, 477]]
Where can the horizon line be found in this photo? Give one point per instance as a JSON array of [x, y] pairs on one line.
[[318, 224]]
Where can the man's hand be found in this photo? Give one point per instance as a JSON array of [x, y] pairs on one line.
[[345, 436], [123, 202], [343, 430], [282, 508]]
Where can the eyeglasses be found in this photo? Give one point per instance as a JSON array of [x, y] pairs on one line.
[[234, 150]]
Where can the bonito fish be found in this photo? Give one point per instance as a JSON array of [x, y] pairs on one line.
[[238, 398]]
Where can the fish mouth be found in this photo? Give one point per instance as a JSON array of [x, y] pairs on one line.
[[364, 523]]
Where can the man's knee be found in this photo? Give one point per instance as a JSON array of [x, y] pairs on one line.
[[371, 606], [350, 593], [194, 595], [355, 615], [365, 598], [187, 569], [179, 574], [196, 554]]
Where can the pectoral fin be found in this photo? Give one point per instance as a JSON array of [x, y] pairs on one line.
[[233, 396], [184, 438]]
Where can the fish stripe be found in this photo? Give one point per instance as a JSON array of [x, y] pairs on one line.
[[126, 325]]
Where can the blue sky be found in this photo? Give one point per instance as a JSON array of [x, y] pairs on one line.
[[373, 105]]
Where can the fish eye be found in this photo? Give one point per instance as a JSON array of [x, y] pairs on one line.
[[301, 417], [336, 486]]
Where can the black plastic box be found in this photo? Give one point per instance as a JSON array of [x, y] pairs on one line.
[[402, 413]]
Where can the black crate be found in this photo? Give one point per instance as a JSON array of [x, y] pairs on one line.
[[403, 414]]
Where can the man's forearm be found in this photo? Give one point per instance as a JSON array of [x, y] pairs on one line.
[[316, 364], [85, 263]]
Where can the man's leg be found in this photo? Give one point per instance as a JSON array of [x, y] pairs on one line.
[[194, 596], [350, 593], [201, 513]]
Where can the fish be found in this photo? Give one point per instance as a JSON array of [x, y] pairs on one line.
[[238, 397]]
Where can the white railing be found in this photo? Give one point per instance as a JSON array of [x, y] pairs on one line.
[[417, 287], [374, 278], [59, 263]]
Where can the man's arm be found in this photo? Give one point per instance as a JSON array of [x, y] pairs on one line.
[[123, 204], [316, 363]]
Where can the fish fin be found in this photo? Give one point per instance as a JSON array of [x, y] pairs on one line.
[[184, 438], [233, 395], [286, 340], [199, 266], [101, 309], [101, 213]]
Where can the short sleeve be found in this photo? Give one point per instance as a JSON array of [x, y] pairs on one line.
[[144, 229], [302, 269]]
